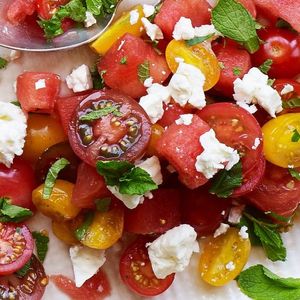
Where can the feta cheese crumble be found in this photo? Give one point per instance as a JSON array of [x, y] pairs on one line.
[[148, 82], [14, 54], [40, 84], [13, 126], [256, 143], [172, 251], [235, 214], [134, 16], [90, 20], [80, 79], [221, 230], [288, 88], [185, 119], [205, 30], [152, 30], [215, 156], [148, 10], [230, 266], [254, 89], [86, 262], [183, 29], [243, 233]]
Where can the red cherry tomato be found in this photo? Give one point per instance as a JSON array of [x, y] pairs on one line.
[[17, 183], [95, 288], [136, 271], [121, 135], [203, 211], [283, 47], [30, 287], [16, 247], [89, 187], [278, 192], [46, 8], [155, 215]]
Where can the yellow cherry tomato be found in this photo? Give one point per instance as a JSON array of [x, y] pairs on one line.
[[118, 29], [279, 148], [59, 206], [105, 230], [199, 56], [156, 133], [65, 232], [224, 257], [43, 131]]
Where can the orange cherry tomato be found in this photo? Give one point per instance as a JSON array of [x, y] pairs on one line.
[[156, 133]]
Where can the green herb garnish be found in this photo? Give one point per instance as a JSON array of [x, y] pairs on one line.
[[143, 71], [103, 204], [294, 173], [266, 66], [295, 136], [198, 40], [236, 71], [82, 230], [41, 243], [3, 63]]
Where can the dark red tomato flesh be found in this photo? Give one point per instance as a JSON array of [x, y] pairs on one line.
[[16, 247], [17, 183], [95, 288], [236, 62], [46, 8], [179, 144], [278, 192], [125, 77], [50, 156], [172, 10], [38, 91], [250, 6], [18, 10], [89, 187], [136, 271], [155, 215], [120, 135], [236, 128], [30, 287], [203, 211], [283, 47]]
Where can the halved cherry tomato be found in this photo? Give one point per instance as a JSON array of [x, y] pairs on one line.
[[203, 211], [155, 215], [95, 288], [59, 206], [136, 271], [65, 231], [279, 148], [156, 133], [89, 187], [46, 8], [122, 137], [199, 56], [278, 192], [51, 155], [283, 47], [29, 287], [18, 10], [224, 257], [43, 131], [17, 183], [16, 247]]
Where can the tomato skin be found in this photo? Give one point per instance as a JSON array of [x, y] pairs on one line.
[[10, 235], [283, 47], [45, 8], [156, 133], [156, 215], [203, 211], [89, 187], [135, 261], [278, 192], [18, 10], [20, 175], [41, 99], [124, 77]]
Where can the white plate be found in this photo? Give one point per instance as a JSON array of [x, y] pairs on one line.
[[188, 284]]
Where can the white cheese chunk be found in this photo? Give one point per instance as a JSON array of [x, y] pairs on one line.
[[221, 230], [205, 30], [134, 16], [288, 88], [172, 251], [235, 214], [230, 266], [86, 262], [183, 29], [152, 166], [152, 30], [148, 82], [186, 86], [185, 119], [90, 20], [148, 10], [40, 84], [254, 88], [215, 156], [243, 232], [80, 79], [13, 126], [256, 143], [212, 3]]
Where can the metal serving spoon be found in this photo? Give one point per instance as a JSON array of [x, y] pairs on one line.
[[29, 37]]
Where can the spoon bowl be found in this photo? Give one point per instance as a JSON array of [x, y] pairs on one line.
[[29, 36]]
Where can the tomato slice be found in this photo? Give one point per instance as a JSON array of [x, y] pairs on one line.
[[136, 271], [46, 8], [122, 137], [16, 246], [29, 287], [155, 215]]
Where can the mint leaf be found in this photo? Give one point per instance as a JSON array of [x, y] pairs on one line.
[[41, 243], [123, 60], [295, 136], [99, 113], [278, 217], [81, 231], [98, 81], [266, 66], [3, 63], [101, 7], [23, 271], [294, 173], [52, 176], [76, 10], [291, 103], [259, 283], [236, 71], [284, 24], [157, 8], [234, 21], [13, 213], [144, 71], [225, 181], [103, 204], [198, 40]]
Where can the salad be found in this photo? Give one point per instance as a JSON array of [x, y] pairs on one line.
[[182, 142]]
